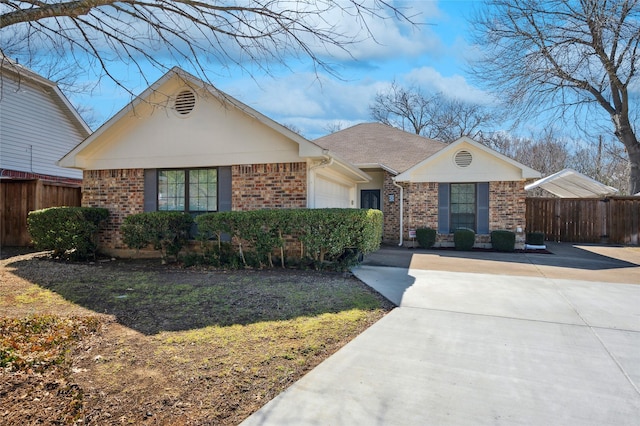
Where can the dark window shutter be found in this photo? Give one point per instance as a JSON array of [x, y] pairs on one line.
[[443, 208], [483, 207], [150, 190], [224, 189]]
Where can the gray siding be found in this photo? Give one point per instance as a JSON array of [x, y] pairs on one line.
[[35, 130]]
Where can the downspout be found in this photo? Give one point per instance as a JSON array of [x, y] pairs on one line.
[[393, 180]]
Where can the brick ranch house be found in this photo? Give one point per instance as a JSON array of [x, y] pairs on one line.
[[183, 145], [419, 182]]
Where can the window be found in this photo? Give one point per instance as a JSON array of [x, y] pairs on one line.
[[463, 206], [191, 190]]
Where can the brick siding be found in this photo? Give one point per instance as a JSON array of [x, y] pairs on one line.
[[269, 186], [507, 209], [254, 186], [121, 192]]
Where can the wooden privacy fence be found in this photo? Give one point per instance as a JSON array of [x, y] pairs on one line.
[[19, 197], [613, 220]]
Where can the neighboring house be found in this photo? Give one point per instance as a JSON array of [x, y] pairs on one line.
[[38, 125], [419, 182], [182, 145]]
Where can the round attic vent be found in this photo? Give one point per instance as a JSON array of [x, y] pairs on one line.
[[463, 158], [185, 102]]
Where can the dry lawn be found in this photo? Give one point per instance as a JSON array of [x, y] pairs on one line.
[[134, 342]]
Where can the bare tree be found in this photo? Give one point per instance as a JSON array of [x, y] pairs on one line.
[[565, 57], [101, 35], [604, 161], [547, 154], [406, 109], [431, 115], [457, 118], [334, 126]]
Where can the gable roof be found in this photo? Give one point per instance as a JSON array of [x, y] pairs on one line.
[[379, 145], [525, 172], [306, 148], [17, 72], [569, 183]]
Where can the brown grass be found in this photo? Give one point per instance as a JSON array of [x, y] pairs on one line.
[[173, 346]]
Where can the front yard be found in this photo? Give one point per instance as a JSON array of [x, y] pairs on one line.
[[127, 342]]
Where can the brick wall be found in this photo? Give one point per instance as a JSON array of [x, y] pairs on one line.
[[423, 206], [254, 186], [507, 205], [121, 192], [391, 209], [269, 186], [507, 209]]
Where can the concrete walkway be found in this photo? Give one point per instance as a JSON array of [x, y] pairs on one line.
[[485, 338]]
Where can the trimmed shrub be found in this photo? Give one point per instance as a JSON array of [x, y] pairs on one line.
[[535, 238], [464, 239], [69, 231], [503, 240], [336, 236], [167, 232], [426, 237]]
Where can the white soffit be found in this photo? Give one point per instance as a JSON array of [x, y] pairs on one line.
[[569, 183]]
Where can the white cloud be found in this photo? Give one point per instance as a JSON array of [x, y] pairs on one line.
[[308, 101], [455, 86]]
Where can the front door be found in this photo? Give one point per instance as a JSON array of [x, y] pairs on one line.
[[370, 199]]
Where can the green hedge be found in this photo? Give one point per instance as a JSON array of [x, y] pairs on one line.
[[426, 237], [69, 231], [535, 238], [167, 232], [464, 239], [335, 236], [503, 240]]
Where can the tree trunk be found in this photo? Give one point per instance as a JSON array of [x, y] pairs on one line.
[[634, 162], [625, 134]]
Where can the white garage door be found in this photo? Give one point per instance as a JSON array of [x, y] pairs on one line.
[[329, 193]]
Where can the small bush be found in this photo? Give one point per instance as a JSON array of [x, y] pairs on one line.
[[69, 231], [503, 240], [167, 232], [426, 237], [464, 239], [535, 238]]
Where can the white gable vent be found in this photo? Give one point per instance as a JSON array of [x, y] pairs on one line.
[[463, 158], [185, 102]]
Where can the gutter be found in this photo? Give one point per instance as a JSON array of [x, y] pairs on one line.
[[322, 165], [401, 210]]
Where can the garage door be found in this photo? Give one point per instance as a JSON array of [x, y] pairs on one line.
[[329, 193]]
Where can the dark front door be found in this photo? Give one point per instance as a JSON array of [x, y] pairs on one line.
[[370, 199]]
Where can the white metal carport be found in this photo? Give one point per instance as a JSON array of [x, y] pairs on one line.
[[569, 183]]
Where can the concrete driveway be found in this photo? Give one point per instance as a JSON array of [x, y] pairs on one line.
[[485, 338]]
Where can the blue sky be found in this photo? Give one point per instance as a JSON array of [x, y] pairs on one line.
[[431, 56]]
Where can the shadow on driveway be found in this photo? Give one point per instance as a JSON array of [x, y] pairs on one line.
[[566, 261]]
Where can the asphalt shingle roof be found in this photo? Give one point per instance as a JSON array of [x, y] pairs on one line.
[[376, 143]]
